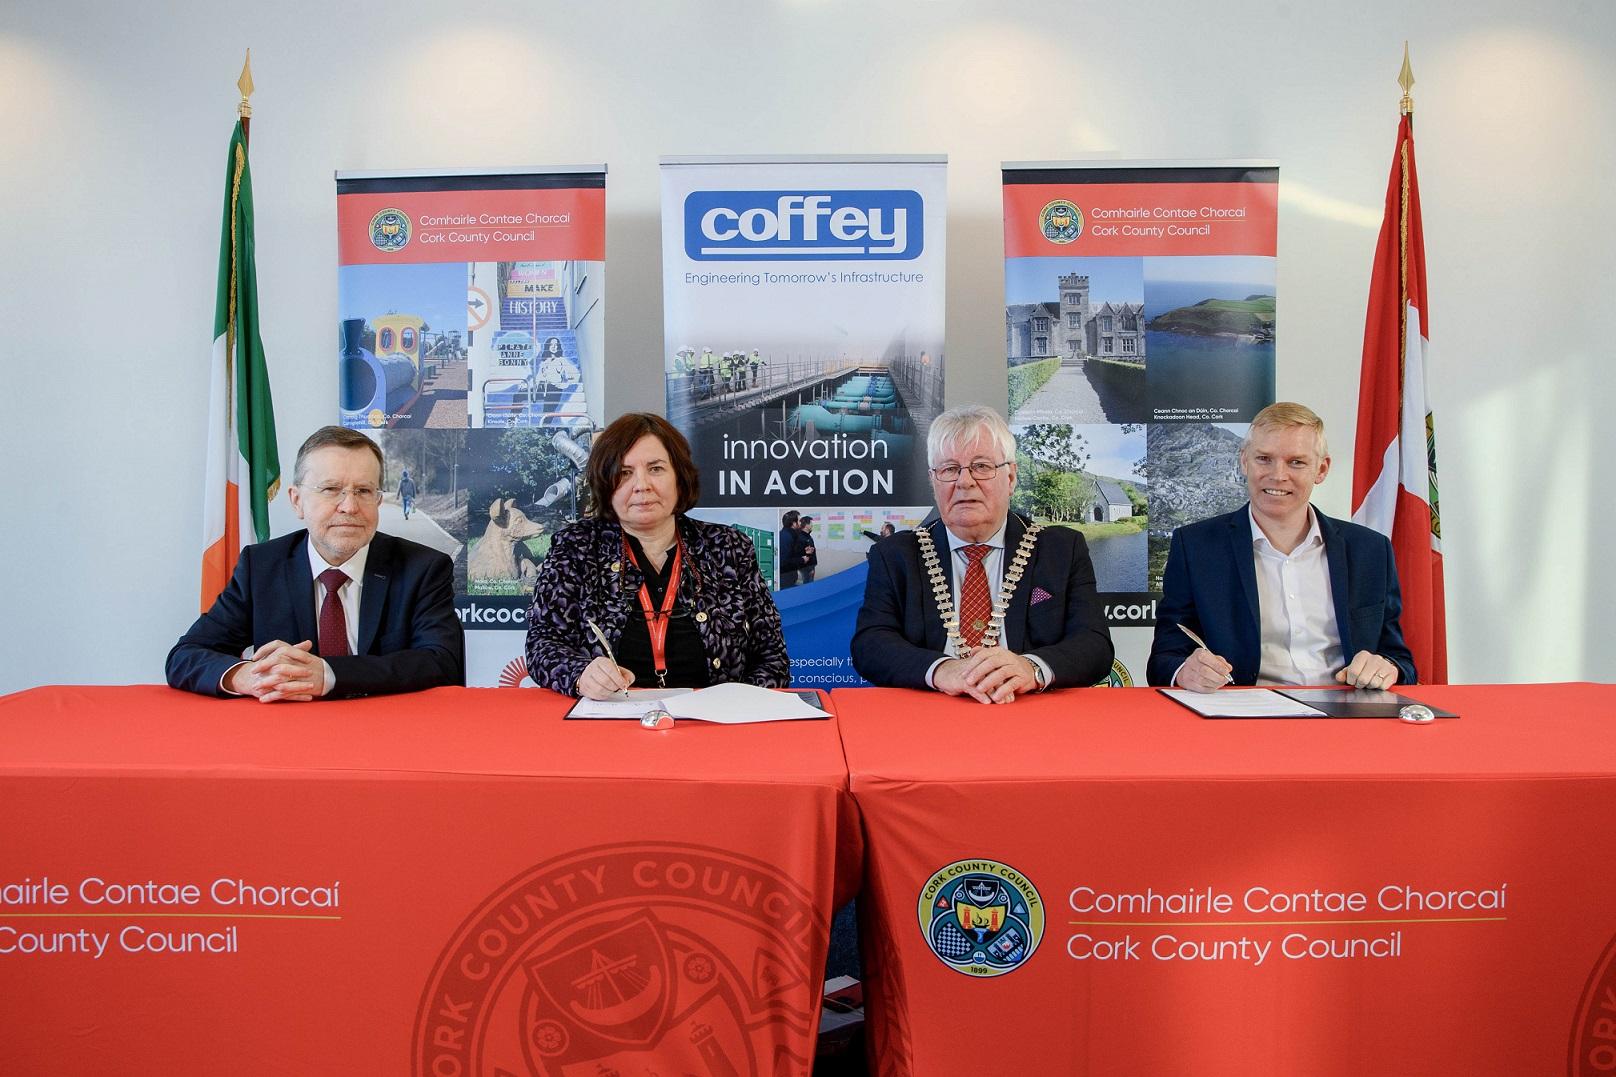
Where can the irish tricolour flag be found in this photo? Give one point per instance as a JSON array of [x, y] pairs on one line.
[[243, 470], [1394, 487]]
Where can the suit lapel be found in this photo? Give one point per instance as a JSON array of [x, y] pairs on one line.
[[299, 582], [936, 637], [373, 598], [1335, 555], [1245, 568], [1015, 615]]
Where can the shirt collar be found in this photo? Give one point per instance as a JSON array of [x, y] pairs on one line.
[[353, 568], [1311, 539], [996, 540]]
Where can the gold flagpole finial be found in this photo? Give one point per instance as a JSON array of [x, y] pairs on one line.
[[1405, 79], [245, 83]]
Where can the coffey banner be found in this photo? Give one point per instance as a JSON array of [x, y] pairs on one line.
[[803, 307], [1139, 336], [471, 343]]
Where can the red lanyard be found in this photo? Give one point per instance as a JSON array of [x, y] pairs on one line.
[[656, 621]]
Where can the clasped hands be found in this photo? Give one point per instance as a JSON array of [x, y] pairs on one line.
[[1204, 671], [279, 672], [990, 675]]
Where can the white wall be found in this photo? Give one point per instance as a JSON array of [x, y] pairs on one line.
[[114, 120]]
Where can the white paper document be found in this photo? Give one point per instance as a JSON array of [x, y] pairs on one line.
[[1245, 703], [638, 702], [726, 704]]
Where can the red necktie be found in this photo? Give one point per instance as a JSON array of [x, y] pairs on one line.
[[333, 625], [975, 605]]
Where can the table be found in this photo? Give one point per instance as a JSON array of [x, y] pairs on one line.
[[1121, 887], [454, 882]]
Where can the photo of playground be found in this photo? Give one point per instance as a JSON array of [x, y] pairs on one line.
[[402, 347], [750, 396], [1075, 340], [536, 331], [1092, 478], [526, 484]]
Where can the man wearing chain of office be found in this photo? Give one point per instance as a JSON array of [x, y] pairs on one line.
[[979, 601]]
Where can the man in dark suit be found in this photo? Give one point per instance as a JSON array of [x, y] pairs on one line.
[[1280, 592], [980, 602], [789, 551], [373, 613]]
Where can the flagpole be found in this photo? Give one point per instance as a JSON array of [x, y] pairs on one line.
[[245, 84], [1405, 79]]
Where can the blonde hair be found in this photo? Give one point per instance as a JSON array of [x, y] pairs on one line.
[[1285, 414]]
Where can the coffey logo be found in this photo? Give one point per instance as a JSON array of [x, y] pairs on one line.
[[804, 226]]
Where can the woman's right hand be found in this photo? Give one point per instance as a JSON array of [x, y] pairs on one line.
[[603, 679]]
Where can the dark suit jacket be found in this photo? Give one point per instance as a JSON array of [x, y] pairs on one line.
[[409, 634], [1211, 586], [900, 633]]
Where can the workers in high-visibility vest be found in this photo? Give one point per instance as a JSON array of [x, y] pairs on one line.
[[706, 368]]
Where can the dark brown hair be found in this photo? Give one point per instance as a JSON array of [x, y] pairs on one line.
[[613, 443], [337, 437]]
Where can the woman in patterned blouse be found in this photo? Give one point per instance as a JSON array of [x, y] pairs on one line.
[[681, 602]]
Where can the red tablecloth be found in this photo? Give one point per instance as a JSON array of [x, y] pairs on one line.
[[1121, 887], [452, 882]]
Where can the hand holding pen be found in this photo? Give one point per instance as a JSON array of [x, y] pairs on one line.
[[1203, 671], [603, 678]]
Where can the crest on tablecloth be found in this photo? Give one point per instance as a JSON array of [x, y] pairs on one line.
[[981, 917]]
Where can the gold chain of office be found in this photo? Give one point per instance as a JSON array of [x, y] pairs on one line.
[[942, 594]]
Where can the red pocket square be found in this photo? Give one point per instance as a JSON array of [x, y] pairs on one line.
[[1040, 595]]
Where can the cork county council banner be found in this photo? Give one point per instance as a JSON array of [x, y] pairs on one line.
[[1139, 335], [471, 345], [803, 353]]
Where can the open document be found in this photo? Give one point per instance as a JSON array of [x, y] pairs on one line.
[[1242, 703], [726, 704]]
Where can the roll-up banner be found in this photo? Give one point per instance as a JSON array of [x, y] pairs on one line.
[[471, 345], [803, 353], [1139, 331]]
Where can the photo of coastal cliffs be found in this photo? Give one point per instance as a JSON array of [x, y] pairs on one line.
[[1209, 332], [1194, 473]]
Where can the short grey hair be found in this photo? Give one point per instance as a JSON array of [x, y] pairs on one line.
[[964, 423], [339, 437]]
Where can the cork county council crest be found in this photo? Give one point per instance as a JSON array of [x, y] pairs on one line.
[[1118, 677], [390, 230], [1060, 221], [981, 917]]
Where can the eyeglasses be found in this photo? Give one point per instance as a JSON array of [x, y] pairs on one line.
[[336, 495], [980, 470]]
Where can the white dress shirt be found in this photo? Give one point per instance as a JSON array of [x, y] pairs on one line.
[[993, 567], [1301, 642]]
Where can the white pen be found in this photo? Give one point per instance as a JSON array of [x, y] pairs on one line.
[[622, 693], [1228, 678]]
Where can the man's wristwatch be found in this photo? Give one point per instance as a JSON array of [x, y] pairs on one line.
[[1038, 674]]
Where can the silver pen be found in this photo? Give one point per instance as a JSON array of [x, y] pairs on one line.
[[622, 693], [1228, 678]]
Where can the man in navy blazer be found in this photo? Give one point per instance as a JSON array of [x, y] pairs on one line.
[[1280, 592], [1054, 631], [371, 613]]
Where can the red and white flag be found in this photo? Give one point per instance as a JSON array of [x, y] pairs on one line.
[[1394, 488]]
